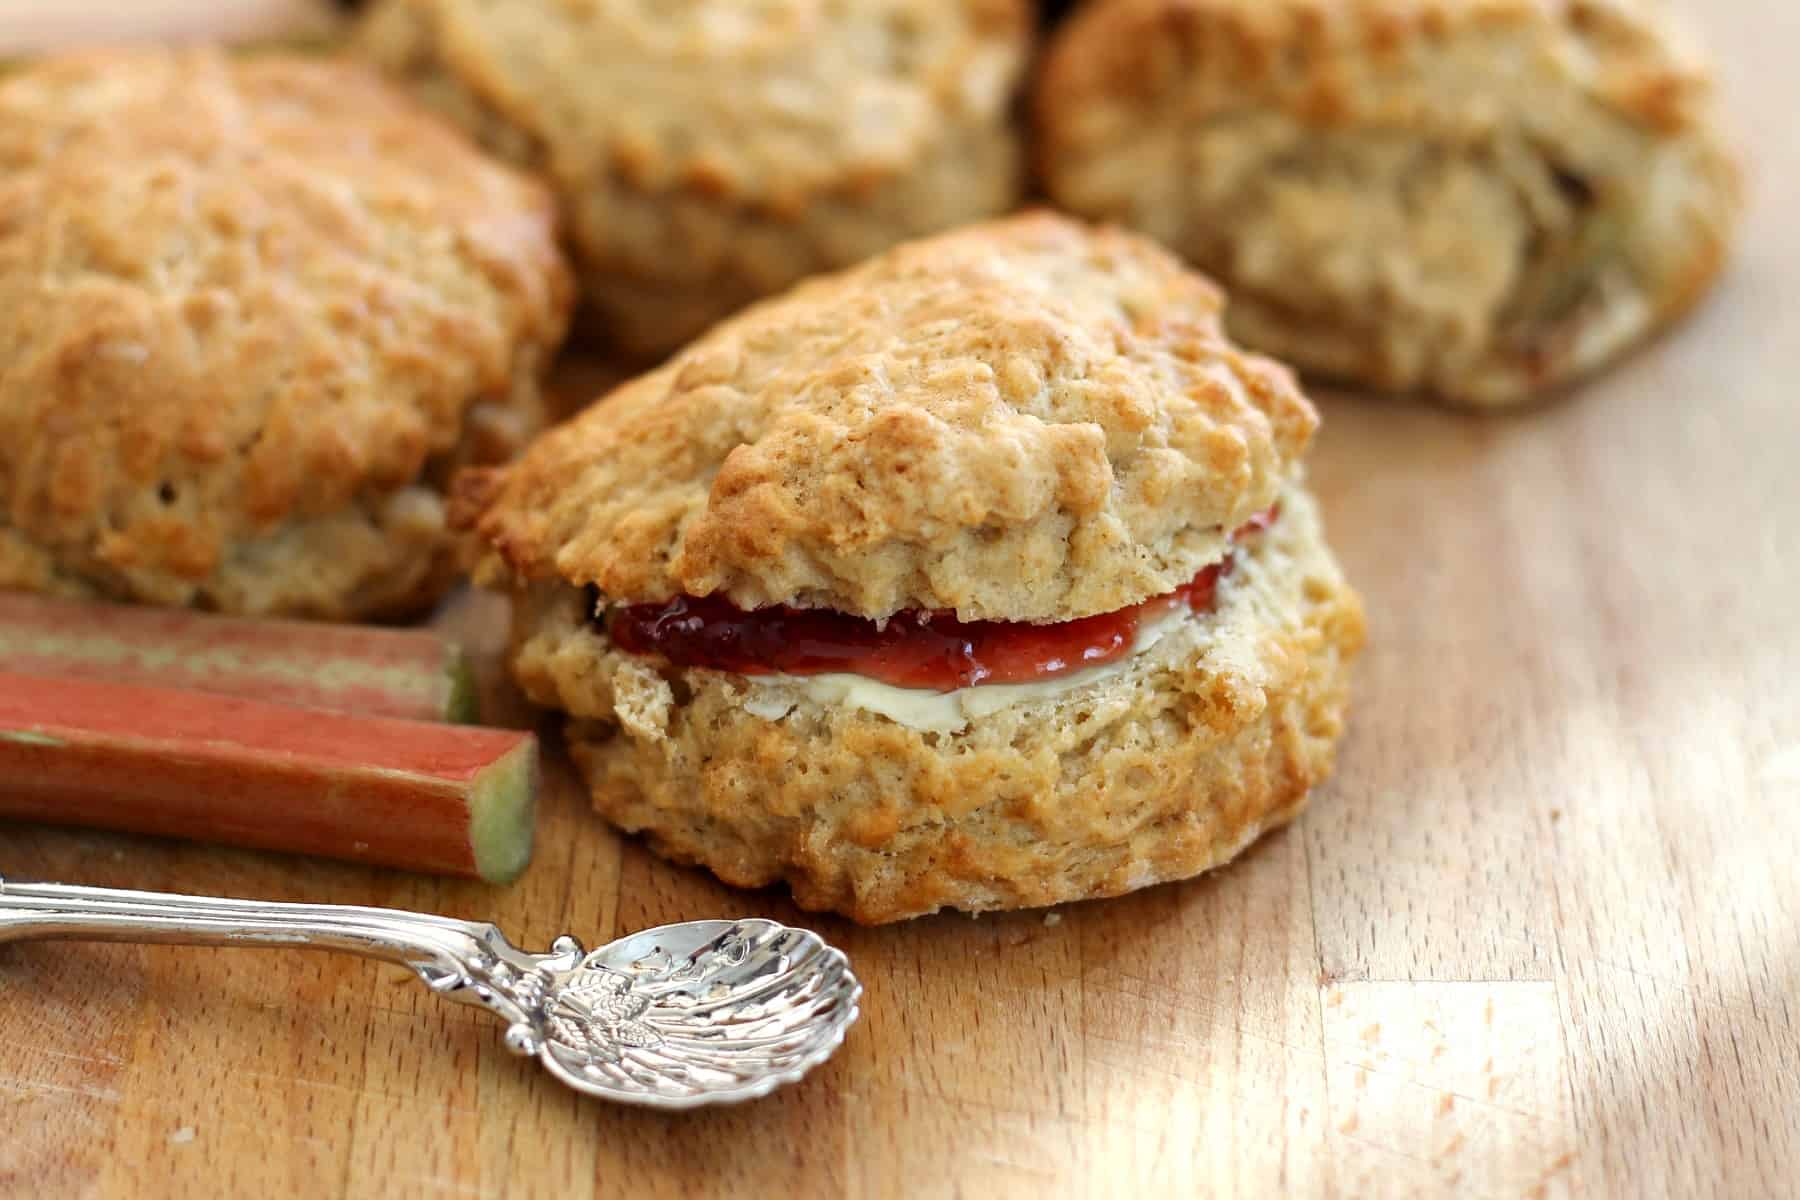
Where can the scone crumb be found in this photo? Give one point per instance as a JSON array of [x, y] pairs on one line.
[[642, 701], [770, 703], [1052, 920], [415, 513]]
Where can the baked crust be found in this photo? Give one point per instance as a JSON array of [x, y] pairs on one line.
[[1207, 739], [710, 154], [252, 313], [1024, 420], [1477, 198]]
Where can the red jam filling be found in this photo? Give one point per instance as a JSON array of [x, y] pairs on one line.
[[912, 649]]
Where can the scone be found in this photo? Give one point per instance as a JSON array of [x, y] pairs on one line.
[[980, 575], [711, 153], [252, 315], [1480, 199]]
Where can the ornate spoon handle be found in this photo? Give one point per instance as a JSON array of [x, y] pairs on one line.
[[704, 1012], [54, 910]]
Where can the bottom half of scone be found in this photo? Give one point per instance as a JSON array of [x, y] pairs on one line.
[[1157, 767]]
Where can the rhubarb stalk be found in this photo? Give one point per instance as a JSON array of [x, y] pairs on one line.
[[407, 673], [447, 799]]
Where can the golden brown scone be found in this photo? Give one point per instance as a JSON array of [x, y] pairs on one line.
[[1480, 199], [252, 313], [1171, 767], [711, 153], [1025, 422]]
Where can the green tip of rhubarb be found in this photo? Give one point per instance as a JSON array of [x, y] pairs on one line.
[[503, 814], [25, 737], [463, 707]]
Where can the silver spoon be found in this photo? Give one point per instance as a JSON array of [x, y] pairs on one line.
[[704, 1012]]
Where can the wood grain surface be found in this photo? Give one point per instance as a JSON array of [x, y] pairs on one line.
[[1539, 937]]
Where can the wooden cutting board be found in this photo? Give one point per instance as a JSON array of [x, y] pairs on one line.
[[1540, 936]]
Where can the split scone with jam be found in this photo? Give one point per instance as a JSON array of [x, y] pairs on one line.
[[979, 576], [1477, 199], [253, 313]]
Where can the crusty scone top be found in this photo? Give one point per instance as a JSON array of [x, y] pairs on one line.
[[1342, 62], [1029, 419]]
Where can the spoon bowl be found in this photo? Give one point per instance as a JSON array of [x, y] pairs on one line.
[[704, 1012]]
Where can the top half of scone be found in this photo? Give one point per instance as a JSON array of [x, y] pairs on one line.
[[240, 296], [1023, 421]]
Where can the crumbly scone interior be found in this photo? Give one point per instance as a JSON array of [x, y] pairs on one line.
[[564, 661], [553, 623]]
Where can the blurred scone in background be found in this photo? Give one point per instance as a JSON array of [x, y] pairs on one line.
[[711, 152], [1478, 199]]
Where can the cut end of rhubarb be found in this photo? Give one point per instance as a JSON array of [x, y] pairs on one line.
[[464, 704], [503, 813]]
